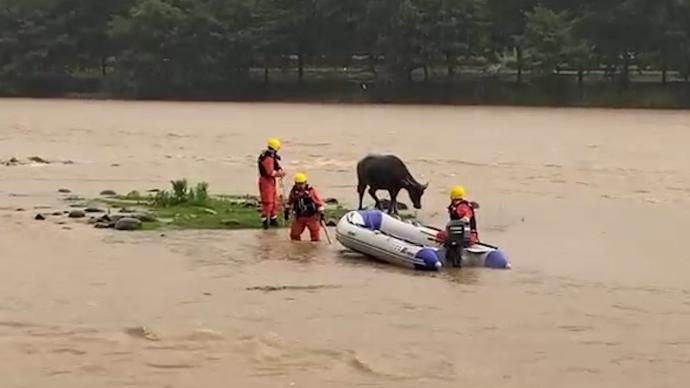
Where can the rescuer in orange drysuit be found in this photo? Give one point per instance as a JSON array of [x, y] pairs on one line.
[[269, 170], [461, 209], [307, 208]]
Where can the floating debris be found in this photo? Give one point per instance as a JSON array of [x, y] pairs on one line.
[[142, 332], [38, 159], [30, 160], [12, 162], [293, 288]]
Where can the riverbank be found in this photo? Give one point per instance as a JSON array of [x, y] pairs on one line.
[[556, 92]]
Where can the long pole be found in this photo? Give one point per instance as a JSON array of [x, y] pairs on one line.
[[325, 230], [286, 213]]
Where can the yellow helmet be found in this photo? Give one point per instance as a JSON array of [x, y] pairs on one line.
[[300, 178], [457, 192], [274, 143]]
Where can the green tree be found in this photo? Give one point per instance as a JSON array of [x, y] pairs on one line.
[[508, 20], [547, 39], [150, 41], [670, 39], [458, 29], [36, 39], [185, 47], [406, 40], [621, 32]]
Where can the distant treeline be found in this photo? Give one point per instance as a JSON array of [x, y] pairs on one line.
[[427, 50]]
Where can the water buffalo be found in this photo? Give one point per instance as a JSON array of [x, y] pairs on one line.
[[387, 172]]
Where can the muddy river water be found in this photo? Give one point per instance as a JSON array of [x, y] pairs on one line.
[[592, 207]]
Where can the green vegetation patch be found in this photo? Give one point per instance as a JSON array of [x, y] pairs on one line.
[[187, 207]]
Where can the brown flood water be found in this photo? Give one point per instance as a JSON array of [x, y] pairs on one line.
[[592, 206]]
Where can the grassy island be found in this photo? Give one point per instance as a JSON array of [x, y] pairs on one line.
[[186, 207]]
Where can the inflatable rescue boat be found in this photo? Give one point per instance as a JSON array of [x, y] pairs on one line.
[[409, 244]]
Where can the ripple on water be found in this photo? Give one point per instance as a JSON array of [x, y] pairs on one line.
[[271, 355], [58, 373], [582, 370], [678, 342], [204, 335], [170, 365], [69, 350], [576, 328], [19, 324], [384, 366], [601, 343], [464, 276], [307, 144], [628, 308]]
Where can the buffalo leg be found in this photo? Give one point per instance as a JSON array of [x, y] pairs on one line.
[[393, 207], [360, 190], [372, 192]]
